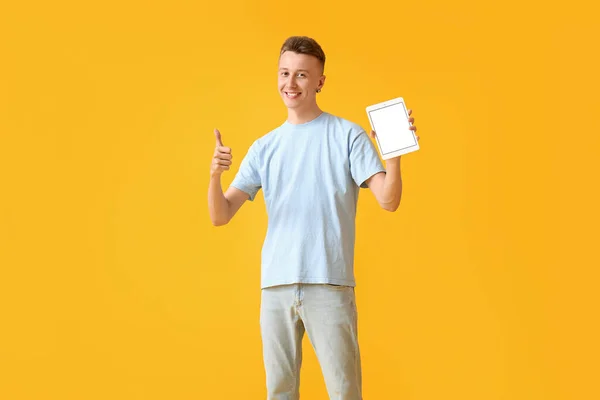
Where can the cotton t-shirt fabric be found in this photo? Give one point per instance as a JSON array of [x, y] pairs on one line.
[[310, 174]]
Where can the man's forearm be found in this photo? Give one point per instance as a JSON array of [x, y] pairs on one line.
[[392, 186], [217, 202]]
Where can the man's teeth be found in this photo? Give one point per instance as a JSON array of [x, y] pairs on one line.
[[292, 94]]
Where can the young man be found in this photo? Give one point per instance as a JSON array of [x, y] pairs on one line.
[[310, 169]]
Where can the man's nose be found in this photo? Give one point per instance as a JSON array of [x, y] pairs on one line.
[[292, 81]]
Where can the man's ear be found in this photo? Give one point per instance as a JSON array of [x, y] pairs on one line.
[[321, 82]]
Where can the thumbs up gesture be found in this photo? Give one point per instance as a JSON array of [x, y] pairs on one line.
[[222, 157]]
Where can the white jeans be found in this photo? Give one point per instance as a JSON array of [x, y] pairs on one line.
[[328, 315]]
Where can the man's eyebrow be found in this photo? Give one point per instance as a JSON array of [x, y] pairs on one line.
[[300, 70]]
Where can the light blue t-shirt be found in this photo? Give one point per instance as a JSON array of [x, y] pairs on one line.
[[310, 175]]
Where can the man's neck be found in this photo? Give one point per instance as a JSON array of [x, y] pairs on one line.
[[302, 116]]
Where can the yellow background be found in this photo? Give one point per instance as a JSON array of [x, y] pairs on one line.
[[115, 285]]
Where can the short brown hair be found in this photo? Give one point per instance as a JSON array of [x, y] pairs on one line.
[[304, 45]]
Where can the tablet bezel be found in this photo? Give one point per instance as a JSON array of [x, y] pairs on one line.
[[398, 152]]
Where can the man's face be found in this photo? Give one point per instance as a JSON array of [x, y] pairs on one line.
[[300, 75]]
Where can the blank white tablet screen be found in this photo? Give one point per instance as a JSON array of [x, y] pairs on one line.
[[392, 128]]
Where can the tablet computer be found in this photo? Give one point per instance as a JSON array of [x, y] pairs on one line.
[[389, 120]]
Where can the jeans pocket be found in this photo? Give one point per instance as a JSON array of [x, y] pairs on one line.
[[336, 287]]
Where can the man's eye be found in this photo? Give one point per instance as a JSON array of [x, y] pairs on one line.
[[302, 75]]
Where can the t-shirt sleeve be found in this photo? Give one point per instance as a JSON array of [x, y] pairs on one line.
[[247, 178], [364, 160]]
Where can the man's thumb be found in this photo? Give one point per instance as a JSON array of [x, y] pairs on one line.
[[218, 137]]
